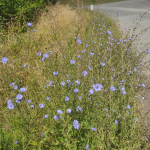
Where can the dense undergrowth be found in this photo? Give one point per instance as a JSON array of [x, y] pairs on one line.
[[71, 82]]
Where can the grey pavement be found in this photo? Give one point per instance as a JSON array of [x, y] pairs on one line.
[[129, 11]]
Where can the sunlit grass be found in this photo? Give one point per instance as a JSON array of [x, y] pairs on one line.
[[68, 82]]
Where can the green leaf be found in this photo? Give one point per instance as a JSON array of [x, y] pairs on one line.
[[90, 127], [70, 129], [56, 143], [102, 137]]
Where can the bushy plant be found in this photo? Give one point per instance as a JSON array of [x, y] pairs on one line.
[[21, 11]]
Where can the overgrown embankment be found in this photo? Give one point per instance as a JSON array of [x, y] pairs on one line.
[[70, 82]]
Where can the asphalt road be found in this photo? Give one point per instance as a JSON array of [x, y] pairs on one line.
[[129, 11]]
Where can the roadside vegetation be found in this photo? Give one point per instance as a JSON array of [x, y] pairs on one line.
[[72, 81]]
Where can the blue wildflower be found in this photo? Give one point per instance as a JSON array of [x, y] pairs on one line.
[[59, 111], [76, 90], [79, 41], [124, 92], [91, 53], [32, 106], [50, 83], [29, 24], [128, 106], [66, 98], [43, 58], [116, 122], [68, 110], [83, 51], [62, 83], [29, 101], [72, 61], [87, 146], [9, 101], [93, 129], [55, 73], [122, 88], [108, 32], [23, 89], [11, 84], [84, 73], [45, 55], [42, 134], [4, 60], [46, 116], [106, 109], [47, 98], [79, 56], [56, 117], [89, 68], [11, 105], [19, 96], [75, 124], [41, 105], [77, 81], [102, 63], [112, 88], [78, 108], [38, 54], [68, 81], [79, 97], [97, 87], [91, 91]]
